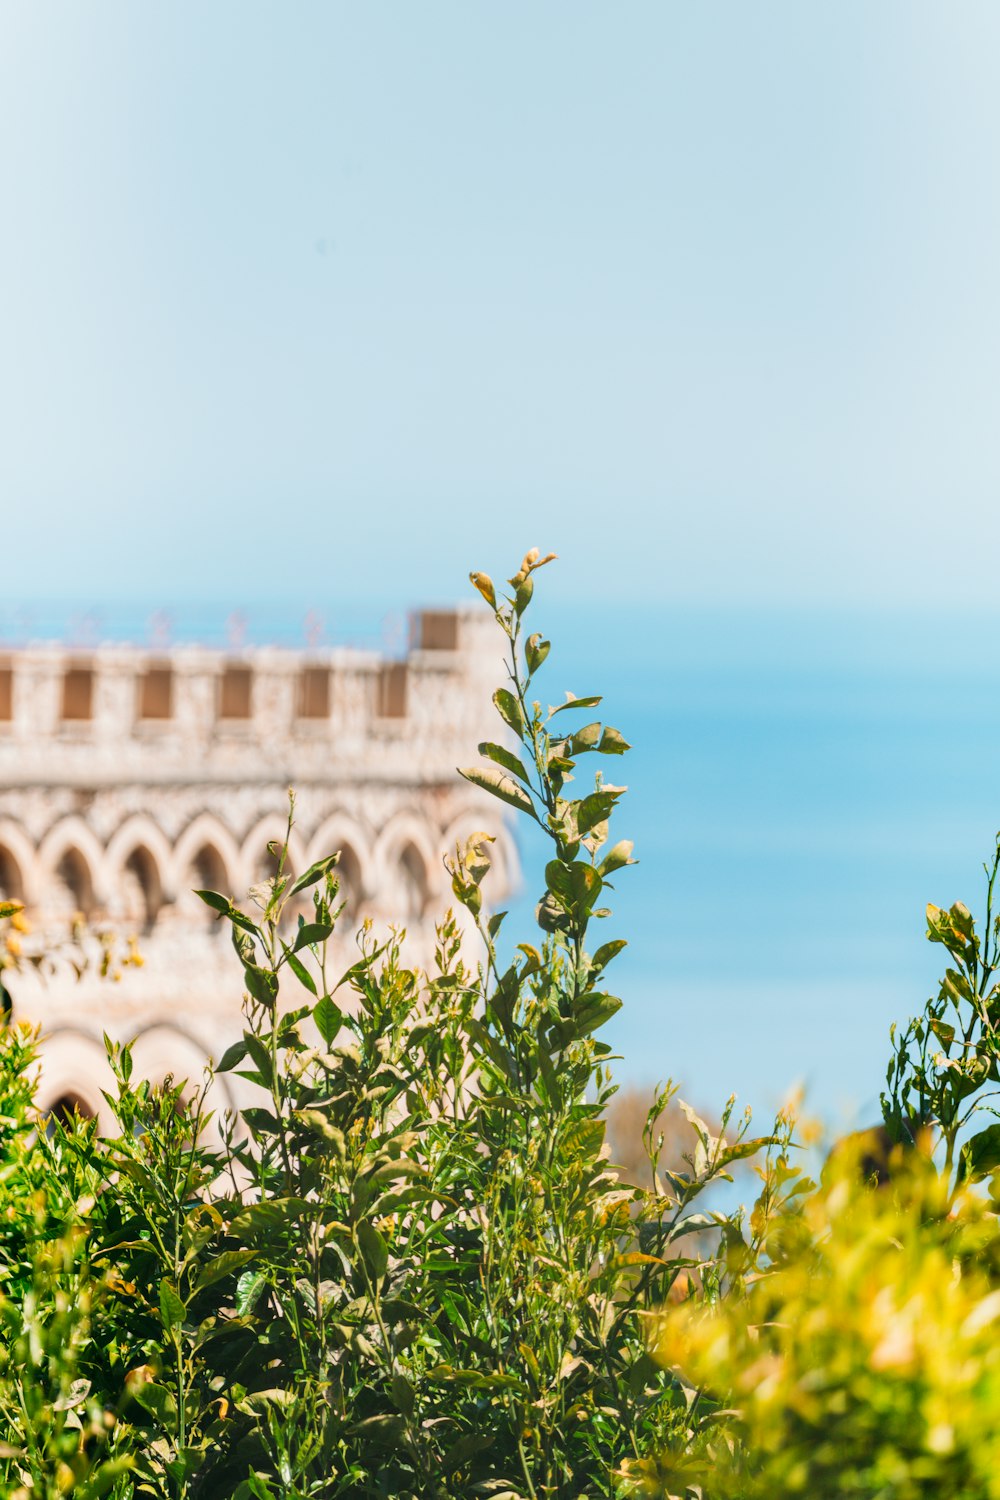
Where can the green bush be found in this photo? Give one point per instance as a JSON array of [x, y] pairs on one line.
[[410, 1269], [865, 1361]]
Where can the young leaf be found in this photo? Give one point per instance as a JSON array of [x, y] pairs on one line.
[[572, 702], [311, 932], [504, 758], [315, 872], [232, 1057], [509, 710], [535, 652], [500, 785], [617, 858], [613, 742], [262, 984], [494, 924], [373, 1250], [484, 583], [215, 901], [606, 952], [328, 1017], [172, 1309], [301, 973]]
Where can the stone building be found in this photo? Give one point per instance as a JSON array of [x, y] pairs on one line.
[[128, 777]]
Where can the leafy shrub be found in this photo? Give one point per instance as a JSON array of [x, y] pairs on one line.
[[865, 1361], [410, 1269], [946, 1062]]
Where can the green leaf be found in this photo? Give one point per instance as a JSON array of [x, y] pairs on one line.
[[172, 1309], [214, 900], [261, 1058], [316, 1120], [301, 973], [594, 1011], [158, 1401], [248, 1289], [606, 952], [402, 1394], [315, 872], [329, 1019], [222, 1265], [572, 702], [504, 758], [613, 742], [373, 1249], [617, 857], [262, 984], [509, 710], [232, 1057], [585, 738], [501, 786], [535, 652], [466, 1447], [980, 1156], [594, 809], [495, 922], [9, 908], [311, 932]]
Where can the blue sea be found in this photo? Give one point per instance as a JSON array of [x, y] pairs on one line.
[[801, 785]]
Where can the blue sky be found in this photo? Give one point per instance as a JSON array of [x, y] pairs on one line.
[[704, 297], [320, 306]]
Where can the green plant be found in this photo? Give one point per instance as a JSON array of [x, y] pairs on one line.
[[864, 1358], [946, 1062]]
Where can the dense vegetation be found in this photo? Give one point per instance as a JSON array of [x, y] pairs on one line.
[[411, 1269]]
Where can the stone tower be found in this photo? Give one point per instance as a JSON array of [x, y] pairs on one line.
[[129, 777]]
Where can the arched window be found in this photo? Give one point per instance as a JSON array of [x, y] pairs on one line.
[[66, 1110], [141, 890], [11, 884], [348, 872], [206, 871], [72, 889], [412, 885]]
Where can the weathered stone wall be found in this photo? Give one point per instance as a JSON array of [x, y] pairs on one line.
[[128, 777]]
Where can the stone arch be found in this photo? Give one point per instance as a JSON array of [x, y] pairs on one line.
[[18, 864], [407, 862], [340, 833], [163, 1049], [74, 1066], [206, 857], [71, 865], [138, 861]]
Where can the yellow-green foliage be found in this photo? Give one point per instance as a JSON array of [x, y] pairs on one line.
[[865, 1361]]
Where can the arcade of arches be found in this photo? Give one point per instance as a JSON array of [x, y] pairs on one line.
[[183, 1005]]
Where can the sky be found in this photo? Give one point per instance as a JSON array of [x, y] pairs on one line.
[[335, 300], [318, 307]]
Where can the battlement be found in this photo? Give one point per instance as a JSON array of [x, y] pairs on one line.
[[86, 717]]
